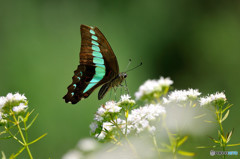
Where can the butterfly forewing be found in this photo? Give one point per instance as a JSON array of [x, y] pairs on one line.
[[98, 65]]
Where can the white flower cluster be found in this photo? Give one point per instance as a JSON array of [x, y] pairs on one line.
[[151, 86], [1, 115], [104, 116], [83, 148], [109, 107], [181, 95], [21, 107], [126, 99], [212, 98], [113, 107], [73, 154], [87, 144], [106, 127], [140, 118], [11, 97], [21, 101]]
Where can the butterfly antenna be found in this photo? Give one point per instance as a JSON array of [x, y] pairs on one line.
[[130, 60], [134, 67]]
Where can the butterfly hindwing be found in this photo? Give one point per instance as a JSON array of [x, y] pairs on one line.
[[98, 65]]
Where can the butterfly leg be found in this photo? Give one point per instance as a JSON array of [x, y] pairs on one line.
[[115, 93], [126, 87], [121, 89], [110, 94]]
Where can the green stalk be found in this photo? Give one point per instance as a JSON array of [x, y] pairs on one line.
[[172, 140], [219, 119], [156, 145], [129, 143], [126, 116], [22, 136]]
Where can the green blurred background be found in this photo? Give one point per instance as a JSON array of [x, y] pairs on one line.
[[196, 43]]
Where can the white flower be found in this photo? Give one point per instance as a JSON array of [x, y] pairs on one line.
[[152, 129], [127, 99], [181, 95], [165, 100], [148, 87], [101, 136], [107, 126], [218, 96], [165, 81], [178, 95], [99, 114], [140, 118], [19, 108], [101, 111], [93, 126], [73, 154], [9, 96], [3, 101], [1, 115], [112, 107], [18, 97], [87, 144], [3, 121], [213, 97], [98, 117], [151, 86], [144, 123], [194, 93]]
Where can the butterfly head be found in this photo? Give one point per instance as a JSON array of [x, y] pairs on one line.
[[123, 75]]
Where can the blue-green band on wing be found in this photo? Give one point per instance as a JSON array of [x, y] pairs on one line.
[[99, 74]]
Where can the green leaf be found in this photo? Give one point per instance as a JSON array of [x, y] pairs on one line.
[[185, 153], [225, 116], [204, 147], [126, 114], [214, 140], [230, 105], [26, 117], [3, 132], [219, 135], [184, 139], [166, 146], [18, 153], [37, 139], [224, 139], [3, 155], [200, 116], [229, 135], [233, 144], [31, 122], [7, 137], [208, 121], [31, 112]]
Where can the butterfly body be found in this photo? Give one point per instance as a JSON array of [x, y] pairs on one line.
[[113, 83], [98, 66]]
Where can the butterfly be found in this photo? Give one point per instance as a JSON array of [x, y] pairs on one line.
[[98, 67]]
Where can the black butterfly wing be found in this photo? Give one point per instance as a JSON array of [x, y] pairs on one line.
[[98, 65]]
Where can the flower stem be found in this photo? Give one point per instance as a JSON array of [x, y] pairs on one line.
[[13, 136], [219, 120], [156, 145], [126, 116], [22, 136], [129, 143]]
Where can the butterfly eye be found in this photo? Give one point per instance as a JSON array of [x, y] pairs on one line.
[[125, 76]]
